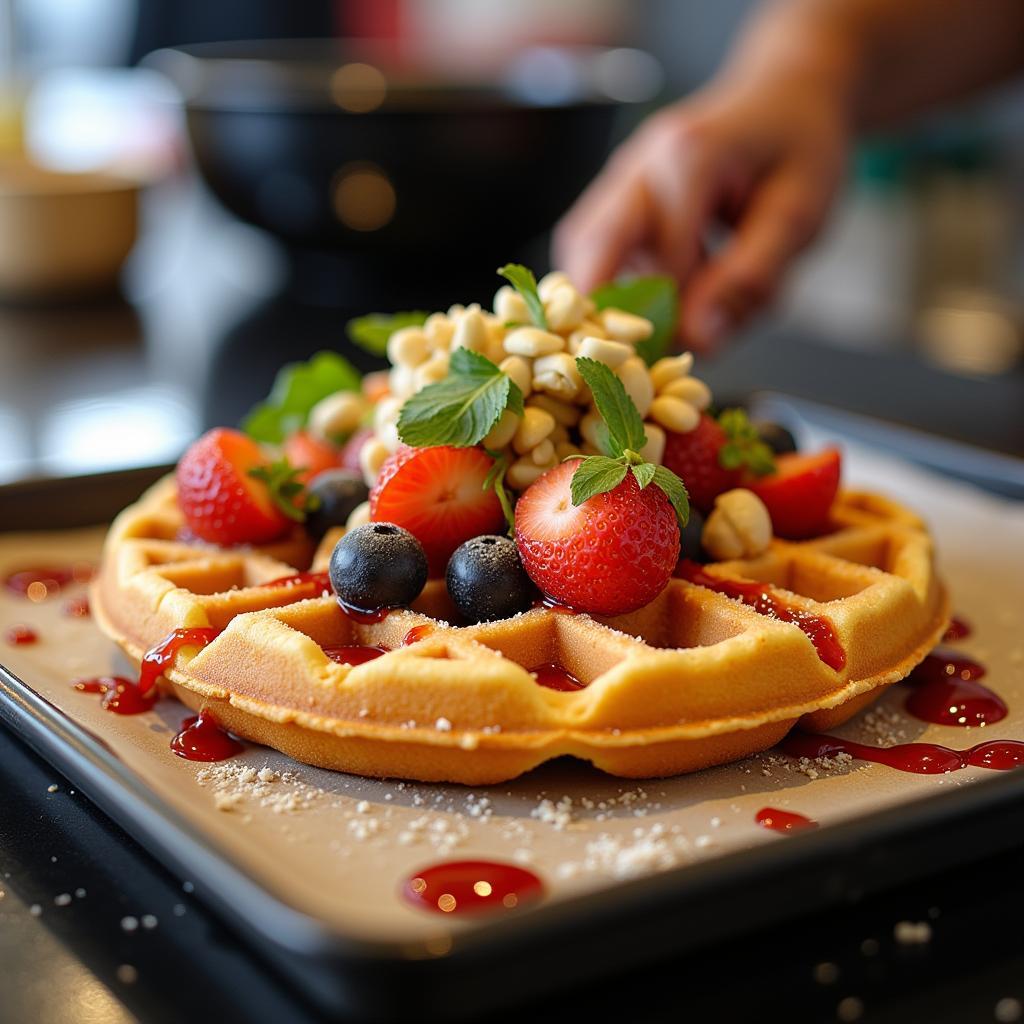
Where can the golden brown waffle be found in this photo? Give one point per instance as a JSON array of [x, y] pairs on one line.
[[692, 680]]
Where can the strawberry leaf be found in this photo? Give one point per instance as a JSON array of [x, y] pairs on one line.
[[596, 474], [743, 448], [371, 332], [675, 491], [656, 298], [284, 490], [625, 427], [521, 278], [463, 407]]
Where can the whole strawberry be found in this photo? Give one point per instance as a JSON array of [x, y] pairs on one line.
[[711, 458], [609, 555], [230, 492]]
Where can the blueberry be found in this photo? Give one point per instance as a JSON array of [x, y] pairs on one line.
[[378, 565], [776, 436], [487, 581], [689, 538], [338, 492]]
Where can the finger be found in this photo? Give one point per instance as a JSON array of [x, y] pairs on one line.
[[608, 222], [781, 218]]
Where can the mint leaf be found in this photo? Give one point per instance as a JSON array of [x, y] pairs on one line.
[[463, 407], [656, 298], [644, 473], [596, 474], [522, 279], [371, 332], [675, 491], [743, 448], [297, 388], [625, 427], [283, 488]]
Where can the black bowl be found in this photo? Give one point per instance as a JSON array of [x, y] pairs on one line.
[[341, 146]]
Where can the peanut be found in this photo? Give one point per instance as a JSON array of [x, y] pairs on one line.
[[623, 326], [674, 414], [564, 308], [549, 282], [371, 458], [532, 341], [544, 453], [611, 353], [654, 450], [510, 307], [439, 330], [519, 371], [739, 526], [523, 472], [637, 382], [359, 516], [565, 413], [408, 346], [557, 375], [535, 425], [337, 415], [689, 389], [671, 368], [471, 332], [503, 431], [433, 370]]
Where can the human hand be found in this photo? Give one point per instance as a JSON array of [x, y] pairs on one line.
[[763, 158]]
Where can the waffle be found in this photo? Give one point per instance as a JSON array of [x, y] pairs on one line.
[[692, 680]]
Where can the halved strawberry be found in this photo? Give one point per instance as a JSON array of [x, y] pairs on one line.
[[610, 555], [223, 502], [438, 495], [799, 493], [310, 455]]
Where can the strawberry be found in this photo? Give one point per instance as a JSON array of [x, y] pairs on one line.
[[353, 446], [438, 495], [799, 493], [609, 555], [694, 457], [310, 455], [231, 493]]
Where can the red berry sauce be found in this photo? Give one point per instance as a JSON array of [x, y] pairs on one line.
[[916, 758], [471, 886], [958, 629], [763, 599], [554, 677], [161, 656], [202, 739], [553, 606], [77, 607], [417, 633], [306, 584], [39, 582], [353, 654], [775, 820], [946, 692], [363, 616], [120, 695], [20, 636]]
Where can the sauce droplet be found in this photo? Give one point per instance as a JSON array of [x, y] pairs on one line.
[[20, 636], [554, 677], [77, 607], [161, 655], [553, 606], [775, 820], [763, 598], [353, 654], [39, 582], [202, 739], [308, 584], [946, 692], [958, 629], [471, 886], [916, 758], [365, 617], [417, 633], [120, 695]]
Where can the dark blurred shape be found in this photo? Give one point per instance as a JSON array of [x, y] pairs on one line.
[[347, 148]]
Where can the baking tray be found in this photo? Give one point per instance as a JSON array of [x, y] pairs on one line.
[[313, 888]]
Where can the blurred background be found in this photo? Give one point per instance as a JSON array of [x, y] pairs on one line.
[[193, 193]]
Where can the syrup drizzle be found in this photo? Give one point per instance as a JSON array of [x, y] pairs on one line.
[[946, 692], [775, 820], [20, 636], [555, 677], [471, 886], [916, 758], [762, 598], [353, 654], [202, 739], [417, 633], [957, 630]]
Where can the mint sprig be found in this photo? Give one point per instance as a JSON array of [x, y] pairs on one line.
[[460, 409], [297, 388], [744, 448], [521, 278], [284, 489], [371, 332], [598, 474], [496, 478]]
